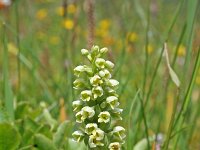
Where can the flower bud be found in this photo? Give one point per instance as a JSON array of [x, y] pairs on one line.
[[78, 136], [112, 101], [78, 70], [84, 52], [113, 83], [86, 95], [109, 64], [100, 62], [103, 50], [105, 74], [95, 49]]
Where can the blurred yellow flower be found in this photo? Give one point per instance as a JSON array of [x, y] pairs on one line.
[[41, 14], [12, 48], [119, 44], [68, 24], [71, 9], [103, 28], [54, 40], [132, 37], [101, 33], [150, 49], [104, 24], [181, 50]]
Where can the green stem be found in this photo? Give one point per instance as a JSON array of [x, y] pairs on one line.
[[184, 108], [19, 49], [145, 122], [146, 48]]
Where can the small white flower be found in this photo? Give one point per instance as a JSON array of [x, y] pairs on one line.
[[77, 105], [93, 142], [114, 146], [78, 83], [86, 95], [103, 50], [99, 134], [110, 90], [116, 113], [109, 64], [119, 132], [105, 74], [84, 52], [104, 117], [78, 70], [87, 112], [112, 101], [113, 83], [95, 80], [78, 117], [90, 128], [88, 70], [78, 136], [97, 91], [100, 62]]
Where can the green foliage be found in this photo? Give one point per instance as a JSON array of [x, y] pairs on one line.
[[43, 143], [39, 47], [9, 137]]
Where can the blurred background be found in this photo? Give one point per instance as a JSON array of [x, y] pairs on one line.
[[40, 45]]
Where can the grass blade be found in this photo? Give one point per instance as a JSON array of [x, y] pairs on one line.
[[8, 95], [184, 108]]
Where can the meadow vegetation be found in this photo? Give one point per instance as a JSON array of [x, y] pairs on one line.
[[153, 48]]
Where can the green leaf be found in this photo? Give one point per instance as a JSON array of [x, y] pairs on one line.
[[76, 146], [143, 144], [172, 74], [9, 137], [3, 115], [43, 143], [8, 94], [60, 135]]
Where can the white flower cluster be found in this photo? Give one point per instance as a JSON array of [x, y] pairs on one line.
[[97, 108]]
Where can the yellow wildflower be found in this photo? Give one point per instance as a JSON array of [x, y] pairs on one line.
[[132, 37], [68, 24], [71, 8], [104, 24], [150, 49], [101, 33], [41, 14], [12, 48], [181, 50]]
